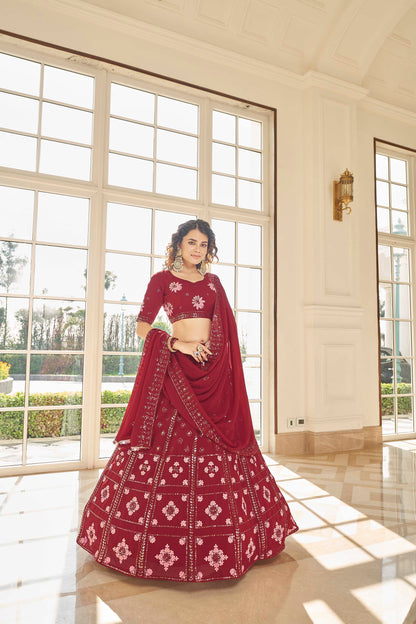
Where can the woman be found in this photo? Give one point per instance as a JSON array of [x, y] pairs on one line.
[[186, 495]]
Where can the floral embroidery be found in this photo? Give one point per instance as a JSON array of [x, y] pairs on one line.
[[278, 533], [91, 534], [105, 493], [175, 286], [211, 285], [250, 548], [198, 302], [175, 470], [170, 510], [168, 307], [144, 467], [216, 557], [122, 550], [132, 506], [266, 493], [211, 469], [213, 510], [166, 557]]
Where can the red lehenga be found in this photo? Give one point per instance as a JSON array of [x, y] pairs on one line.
[[186, 495]]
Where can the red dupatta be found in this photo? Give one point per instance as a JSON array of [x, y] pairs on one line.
[[211, 398]]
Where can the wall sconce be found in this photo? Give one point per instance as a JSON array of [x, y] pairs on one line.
[[343, 194]]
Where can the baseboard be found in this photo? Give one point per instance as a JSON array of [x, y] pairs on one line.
[[314, 443]]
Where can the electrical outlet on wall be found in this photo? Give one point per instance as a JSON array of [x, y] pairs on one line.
[[291, 422]]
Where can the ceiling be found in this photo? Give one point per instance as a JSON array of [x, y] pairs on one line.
[[371, 43]]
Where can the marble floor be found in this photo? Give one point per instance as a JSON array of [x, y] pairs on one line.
[[353, 560]]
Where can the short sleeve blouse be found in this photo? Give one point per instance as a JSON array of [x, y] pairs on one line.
[[180, 298]]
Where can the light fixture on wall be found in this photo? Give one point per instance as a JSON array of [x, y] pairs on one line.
[[343, 194]]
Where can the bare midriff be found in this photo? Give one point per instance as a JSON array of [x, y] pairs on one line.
[[192, 329]]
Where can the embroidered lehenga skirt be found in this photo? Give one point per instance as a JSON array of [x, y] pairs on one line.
[[184, 510]]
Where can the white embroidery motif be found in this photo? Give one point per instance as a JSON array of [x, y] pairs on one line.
[[213, 510], [122, 550], [198, 302], [216, 557], [166, 557]]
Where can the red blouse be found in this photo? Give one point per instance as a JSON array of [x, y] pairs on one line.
[[179, 297]]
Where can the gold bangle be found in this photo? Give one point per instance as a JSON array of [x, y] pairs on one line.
[[169, 346]]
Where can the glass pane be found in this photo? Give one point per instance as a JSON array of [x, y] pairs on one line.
[[249, 133], [63, 219], [398, 170], [129, 228], [403, 338], [131, 138], [386, 366], [249, 244], [120, 330], [130, 172], [16, 366], [225, 239], [14, 267], [386, 337], [384, 264], [227, 277], [177, 148], [55, 379], [58, 324], [223, 190], [385, 298], [132, 103], [255, 409], [405, 422], [382, 189], [249, 195], [68, 87], [399, 222], [61, 122], [402, 301], [389, 427], [54, 436], [18, 152], [166, 223], [177, 115], [60, 272], [404, 375], [11, 434], [249, 164], [110, 422], [16, 212], [249, 288], [399, 197], [65, 160], [252, 376], [176, 181], [223, 158], [383, 220], [17, 74], [120, 269], [401, 264], [116, 385], [382, 166], [249, 332], [19, 113], [14, 316], [223, 127]]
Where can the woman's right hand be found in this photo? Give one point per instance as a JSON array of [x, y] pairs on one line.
[[190, 348]]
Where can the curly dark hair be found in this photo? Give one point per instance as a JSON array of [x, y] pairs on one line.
[[183, 229]]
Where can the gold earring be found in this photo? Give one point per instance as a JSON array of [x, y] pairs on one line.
[[178, 262], [203, 268]]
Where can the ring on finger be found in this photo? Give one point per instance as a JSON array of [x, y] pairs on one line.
[[200, 348]]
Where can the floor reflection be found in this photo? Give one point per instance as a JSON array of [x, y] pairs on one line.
[[354, 559]]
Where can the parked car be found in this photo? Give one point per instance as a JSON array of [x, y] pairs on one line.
[[387, 367]]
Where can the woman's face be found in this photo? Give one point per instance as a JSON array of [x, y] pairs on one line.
[[194, 246]]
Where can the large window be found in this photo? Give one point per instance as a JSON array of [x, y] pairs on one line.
[[98, 168], [396, 252]]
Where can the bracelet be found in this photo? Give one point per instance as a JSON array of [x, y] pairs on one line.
[[170, 344]]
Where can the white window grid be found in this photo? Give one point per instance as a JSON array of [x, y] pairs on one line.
[[100, 192], [402, 239]]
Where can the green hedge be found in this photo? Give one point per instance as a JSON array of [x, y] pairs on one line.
[[404, 404], [57, 423]]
